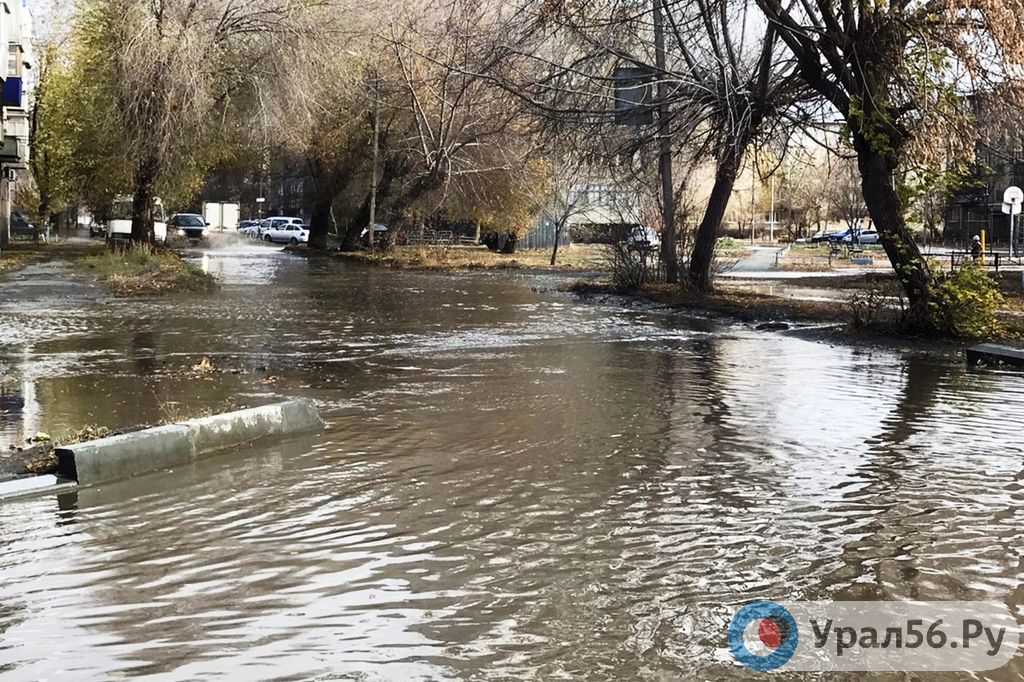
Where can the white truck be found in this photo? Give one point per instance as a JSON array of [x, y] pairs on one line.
[[119, 226], [222, 216]]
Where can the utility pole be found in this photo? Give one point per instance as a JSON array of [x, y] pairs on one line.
[[753, 191], [376, 155], [668, 204]]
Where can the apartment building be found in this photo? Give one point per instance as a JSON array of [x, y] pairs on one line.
[[15, 126]]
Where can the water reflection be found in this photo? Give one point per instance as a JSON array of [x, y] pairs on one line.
[[512, 486]]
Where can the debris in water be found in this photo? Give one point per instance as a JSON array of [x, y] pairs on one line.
[[205, 366], [84, 435]]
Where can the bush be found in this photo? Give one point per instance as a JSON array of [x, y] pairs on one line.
[[882, 305], [632, 269], [966, 303]]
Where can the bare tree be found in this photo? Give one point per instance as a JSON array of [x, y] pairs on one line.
[[846, 198], [739, 91], [321, 113], [803, 195], [896, 73], [458, 129], [719, 83], [171, 68]]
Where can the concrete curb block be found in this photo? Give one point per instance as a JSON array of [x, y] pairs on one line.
[[33, 486], [130, 454]]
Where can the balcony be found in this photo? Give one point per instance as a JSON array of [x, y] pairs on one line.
[[13, 152], [13, 91]]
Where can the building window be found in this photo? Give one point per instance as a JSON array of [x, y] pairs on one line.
[[14, 61]]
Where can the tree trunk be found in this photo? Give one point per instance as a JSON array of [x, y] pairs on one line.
[[350, 240], [320, 222], [558, 237], [707, 233], [669, 248], [44, 205], [142, 200], [886, 211], [5, 213], [510, 245]]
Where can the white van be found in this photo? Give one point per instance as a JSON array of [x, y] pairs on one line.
[[120, 224]]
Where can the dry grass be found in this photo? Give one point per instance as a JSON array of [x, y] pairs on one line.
[[740, 304], [20, 254], [9, 262], [451, 258], [141, 271], [83, 435], [806, 265]]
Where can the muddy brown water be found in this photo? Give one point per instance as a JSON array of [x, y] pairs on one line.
[[513, 484]]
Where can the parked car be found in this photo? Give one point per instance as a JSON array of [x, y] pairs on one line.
[[274, 223], [189, 226], [380, 234], [22, 226], [868, 237], [97, 229], [643, 239], [287, 233], [862, 237], [250, 230], [824, 237]]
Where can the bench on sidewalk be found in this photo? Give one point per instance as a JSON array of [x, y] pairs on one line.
[[990, 259]]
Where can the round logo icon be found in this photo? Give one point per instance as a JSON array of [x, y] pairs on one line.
[[776, 633]]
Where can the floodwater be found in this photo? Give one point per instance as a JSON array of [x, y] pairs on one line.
[[513, 484]]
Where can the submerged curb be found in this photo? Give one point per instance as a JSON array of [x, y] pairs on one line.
[[130, 454], [32, 486]]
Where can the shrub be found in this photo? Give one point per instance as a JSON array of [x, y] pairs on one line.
[[882, 304], [631, 269], [966, 303]]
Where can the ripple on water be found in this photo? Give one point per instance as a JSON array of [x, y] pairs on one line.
[[512, 486]]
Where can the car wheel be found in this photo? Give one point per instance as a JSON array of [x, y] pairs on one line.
[[267, 238], [294, 241]]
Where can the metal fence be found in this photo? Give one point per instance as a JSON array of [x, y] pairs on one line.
[[543, 237]]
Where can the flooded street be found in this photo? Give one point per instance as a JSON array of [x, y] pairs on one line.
[[513, 484]]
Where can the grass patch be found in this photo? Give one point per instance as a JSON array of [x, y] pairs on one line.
[[142, 271], [444, 258], [808, 265], [11, 262], [742, 305], [17, 256]]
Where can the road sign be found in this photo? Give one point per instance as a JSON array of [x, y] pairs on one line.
[[260, 200]]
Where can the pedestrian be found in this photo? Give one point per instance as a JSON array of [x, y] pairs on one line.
[[976, 248]]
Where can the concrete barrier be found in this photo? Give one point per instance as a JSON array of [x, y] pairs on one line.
[[995, 354], [130, 454], [222, 431], [31, 486]]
